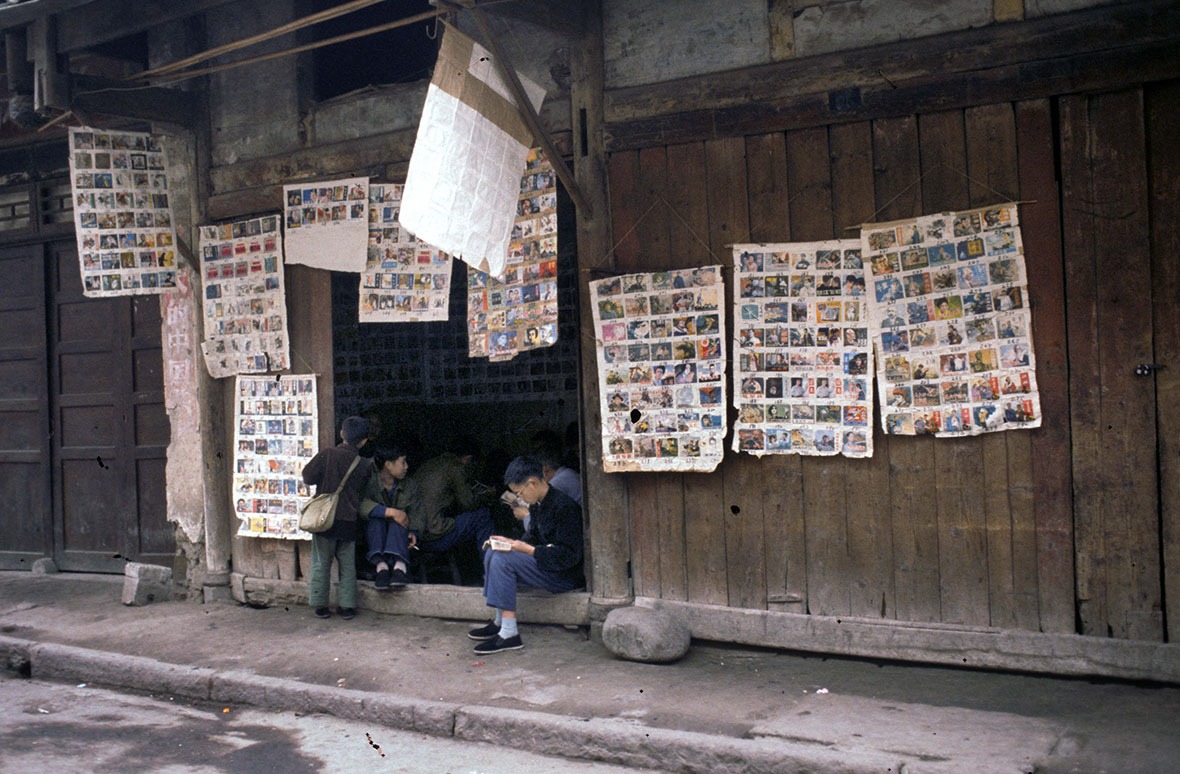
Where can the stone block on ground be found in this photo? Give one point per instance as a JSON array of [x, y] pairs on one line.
[[644, 634], [146, 583]]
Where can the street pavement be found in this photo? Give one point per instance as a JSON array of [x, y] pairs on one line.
[[720, 709], [80, 729]]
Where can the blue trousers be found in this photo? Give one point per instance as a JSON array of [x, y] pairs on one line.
[[387, 541], [323, 549], [474, 526], [504, 571]]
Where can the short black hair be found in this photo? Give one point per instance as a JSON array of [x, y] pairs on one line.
[[522, 469], [388, 453], [355, 429]]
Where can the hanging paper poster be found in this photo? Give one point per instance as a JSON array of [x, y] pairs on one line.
[[328, 224], [518, 311], [461, 186], [802, 384], [122, 216], [661, 370], [406, 280], [275, 431], [949, 307], [245, 302]]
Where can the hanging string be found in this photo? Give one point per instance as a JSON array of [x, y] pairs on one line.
[[659, 199], [942, 165]]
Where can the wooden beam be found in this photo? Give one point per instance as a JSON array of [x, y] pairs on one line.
[[103, 96], [1086, 50], [528, 112], [102, 21]]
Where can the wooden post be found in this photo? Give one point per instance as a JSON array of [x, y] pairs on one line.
[[606, 496]]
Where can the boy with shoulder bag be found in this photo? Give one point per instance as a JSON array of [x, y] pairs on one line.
[[326, 471]]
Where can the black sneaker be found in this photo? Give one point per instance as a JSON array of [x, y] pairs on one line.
[[347, 613], [489, 631], [499, 644], [382, 581], [398, 578], [323, 612]]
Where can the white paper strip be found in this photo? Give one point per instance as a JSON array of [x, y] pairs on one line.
[[462, 183]]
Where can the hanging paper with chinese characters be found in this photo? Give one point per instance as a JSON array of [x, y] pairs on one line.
[[518, 310], [245, 309], [405, 280], [328, 224], [950, 317], [122, 213], [276, 428], [461, 186], [802, 382], [661, 370]]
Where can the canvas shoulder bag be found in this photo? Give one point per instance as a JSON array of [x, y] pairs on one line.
[[319, 513]]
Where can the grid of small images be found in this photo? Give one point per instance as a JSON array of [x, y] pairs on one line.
[[122, 216], [950, 316], [405, 280], [275, 432], [245, 308], [661, 366], [803, 384], [518, 311], [328, 224]]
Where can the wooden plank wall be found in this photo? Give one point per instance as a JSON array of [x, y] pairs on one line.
[[975, 531], [1163, 105], [1108, 284]]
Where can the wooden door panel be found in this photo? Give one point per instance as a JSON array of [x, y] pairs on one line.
[[113, 439], [25, 528]]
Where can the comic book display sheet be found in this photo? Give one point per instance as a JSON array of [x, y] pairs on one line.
[[275, 432], [661, 369], [122, 214], [245, 307], [405, 280], [328, 224], [518, 310], [949, 310], [802, 383]]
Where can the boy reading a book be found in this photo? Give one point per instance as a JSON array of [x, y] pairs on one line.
[[549, 556]]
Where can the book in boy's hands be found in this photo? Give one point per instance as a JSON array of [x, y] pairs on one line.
[[497, 545]]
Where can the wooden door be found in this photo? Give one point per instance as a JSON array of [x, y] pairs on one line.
[[107, 399], [25, 526]]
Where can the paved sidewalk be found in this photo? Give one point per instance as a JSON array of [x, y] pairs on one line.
[[720, 709]]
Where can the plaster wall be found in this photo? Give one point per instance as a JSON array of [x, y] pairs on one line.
[[253, 110], [660, 41], [384, 109], [663, 40]]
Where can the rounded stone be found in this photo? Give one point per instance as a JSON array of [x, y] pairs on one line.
[[644, 634]]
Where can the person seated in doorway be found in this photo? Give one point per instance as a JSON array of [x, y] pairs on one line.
[[548, 451], [388, 501], [549, 556], [325, 471], [449, 513]]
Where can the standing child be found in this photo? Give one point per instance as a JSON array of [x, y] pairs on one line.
[[325, 471]]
